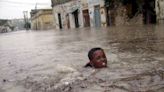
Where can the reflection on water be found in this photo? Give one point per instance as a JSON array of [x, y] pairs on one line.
[[52, 61]]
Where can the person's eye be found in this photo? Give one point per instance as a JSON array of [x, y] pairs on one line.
[[98, 61]]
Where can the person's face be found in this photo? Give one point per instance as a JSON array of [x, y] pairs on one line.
[[99, 59]]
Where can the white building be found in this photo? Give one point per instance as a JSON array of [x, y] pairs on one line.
[[97, 13], [85, 13], [67, 14]]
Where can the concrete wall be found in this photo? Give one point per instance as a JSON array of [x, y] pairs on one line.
[[118, 14], [42, 20], [92, 4], [66, 10], [46, 21], [84, 4], [160, 11]]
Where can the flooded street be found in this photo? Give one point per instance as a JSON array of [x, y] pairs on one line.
[[52, 61]]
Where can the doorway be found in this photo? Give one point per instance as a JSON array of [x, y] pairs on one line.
[[149, 14], [60, 22], [75, 14], [68, 22], [86, 18], [97, 16]]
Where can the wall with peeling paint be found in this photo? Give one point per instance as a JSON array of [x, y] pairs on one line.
[[160, 11]]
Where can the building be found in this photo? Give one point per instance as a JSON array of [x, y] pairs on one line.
[[97, 13], [101, 13], [130, 12], [67, 14], [41, 19], [85, 13], [78, 13]]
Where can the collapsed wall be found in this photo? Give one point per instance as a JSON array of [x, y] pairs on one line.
[[133, 12], [122, 18]]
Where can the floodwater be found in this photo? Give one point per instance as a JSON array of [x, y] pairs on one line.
[[52, 61]]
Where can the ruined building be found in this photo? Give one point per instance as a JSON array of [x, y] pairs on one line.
[[160, 11], [130, 12], [67, 14], [101, 13], [78, 13]]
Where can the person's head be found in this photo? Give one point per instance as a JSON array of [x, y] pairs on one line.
[[97, 58]]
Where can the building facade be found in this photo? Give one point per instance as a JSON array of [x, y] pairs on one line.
[[101, 13], [42, 19], [67, 14], [97, 13], [78, 13], [85, 13]]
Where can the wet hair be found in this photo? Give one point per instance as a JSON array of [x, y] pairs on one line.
[[90, 53]]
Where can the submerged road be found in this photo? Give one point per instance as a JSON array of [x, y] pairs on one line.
[[52, 61]]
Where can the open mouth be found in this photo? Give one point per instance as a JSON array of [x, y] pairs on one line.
[[103, 64]]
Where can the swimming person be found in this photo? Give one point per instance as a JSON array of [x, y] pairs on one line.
[[97, 58]]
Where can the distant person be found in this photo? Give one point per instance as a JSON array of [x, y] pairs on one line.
[[97, 58]]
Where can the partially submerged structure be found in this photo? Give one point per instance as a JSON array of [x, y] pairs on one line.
[[99, 13], [41, 19]]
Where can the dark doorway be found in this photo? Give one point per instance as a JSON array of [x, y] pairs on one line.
[[75, 13], [149, 14], [86, 18], [68, 22], [110, 16], [132, 7], [60, 22], [97, 16]]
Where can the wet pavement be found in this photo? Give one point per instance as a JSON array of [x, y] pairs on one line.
[[52, 61]]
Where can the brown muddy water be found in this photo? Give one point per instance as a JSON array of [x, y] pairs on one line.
[[52, 61]]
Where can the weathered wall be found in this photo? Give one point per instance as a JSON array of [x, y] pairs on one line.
[[47, 22], [43, 20], [121, 14], [66, 10], [160, 11], [92, 4], [121, 17]]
